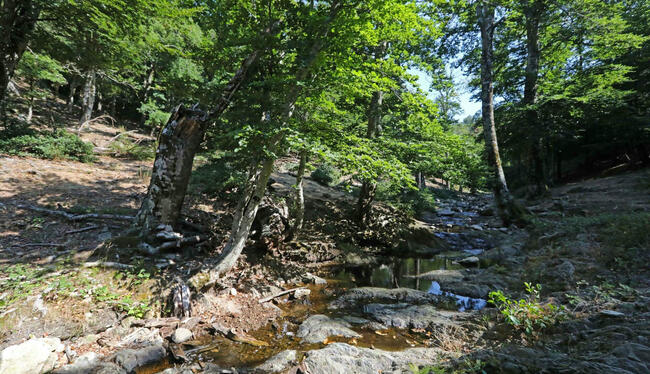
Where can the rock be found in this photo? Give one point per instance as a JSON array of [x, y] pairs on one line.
[[233, 292], [422, 239], [314, 279], [319, 327], [386, 295], [130, 359], [404, 316], [181, 335], [301, 293], [612, 313], [83, 364], [34, 356], [344, 358], [280, 362], [558, 276], [487, 211], [445, 212], [469, 261]]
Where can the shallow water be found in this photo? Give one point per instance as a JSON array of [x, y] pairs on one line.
[[389, 272]]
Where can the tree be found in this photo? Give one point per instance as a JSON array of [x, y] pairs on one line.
[[34, 68], [17, 21], [508, 209]]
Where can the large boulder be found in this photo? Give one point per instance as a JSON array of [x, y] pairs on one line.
[[319, 327], [364, 295], [34, 356], [404, 316], [345, 358]]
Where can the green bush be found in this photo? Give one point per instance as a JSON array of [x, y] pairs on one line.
[[60, 145], [326, 174], [527, 314]]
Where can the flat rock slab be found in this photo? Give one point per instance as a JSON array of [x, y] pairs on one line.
[[386, 295], [319, 327], [404, 316], [34, 356], [345, 358]]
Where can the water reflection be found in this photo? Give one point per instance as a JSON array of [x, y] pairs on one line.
[[397, 272]]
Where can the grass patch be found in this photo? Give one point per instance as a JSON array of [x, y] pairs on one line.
[[57, 145], [126, 148]]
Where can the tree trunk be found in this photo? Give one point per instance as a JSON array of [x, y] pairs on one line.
[[30, 111], [177, 145], [369, 188], [532, 12], [17, 20], [88, 98], [242, 222], [146, 89], [74, 84], [179, 140], [298, 206], [507, 208]]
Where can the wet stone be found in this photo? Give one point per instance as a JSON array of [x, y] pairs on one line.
[[319, 327], [279, 362]]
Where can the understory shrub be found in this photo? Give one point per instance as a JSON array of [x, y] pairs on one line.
[[326, 174], [59, 145], [219, 176], [528, 314], [127, 148]]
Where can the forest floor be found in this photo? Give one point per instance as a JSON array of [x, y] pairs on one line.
[[360, 300]]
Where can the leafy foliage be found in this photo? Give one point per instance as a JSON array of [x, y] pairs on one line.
[[59, 145], [326, 174], [527, 315]]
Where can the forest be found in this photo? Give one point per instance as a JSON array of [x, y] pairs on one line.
[[338, 186]]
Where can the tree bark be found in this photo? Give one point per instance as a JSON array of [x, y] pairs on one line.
[[298, 206], [146, 89], [74, 84], [88, 98], [532, 11], [179, 140], [17, 20], [369, 188], [177, 145], [509, 211]]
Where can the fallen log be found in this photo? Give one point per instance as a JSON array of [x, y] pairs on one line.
[[107, 264], [269, 298], [77, 217], [88, 228]]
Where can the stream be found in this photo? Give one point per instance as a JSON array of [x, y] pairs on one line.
[[385, 272]]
